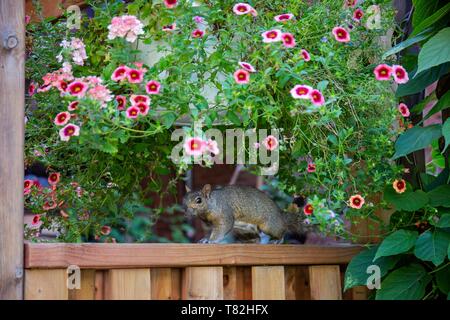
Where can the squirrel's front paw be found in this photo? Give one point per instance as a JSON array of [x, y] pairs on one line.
[[204, 240]]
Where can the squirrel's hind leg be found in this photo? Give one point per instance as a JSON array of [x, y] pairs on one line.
[[221, 230]]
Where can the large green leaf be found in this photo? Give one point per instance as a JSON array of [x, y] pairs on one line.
[[415, 139], [406, 201], [443, 103], [406, 283], [398, 242], [422, 10], [435, 51], [444, 221], [409, 42], [443, 279], [356, 272], [432, 246], [423, 80], [446, 132], [440, 196], [435, 17]]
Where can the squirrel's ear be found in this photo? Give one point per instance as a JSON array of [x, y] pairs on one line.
[[188, 189], [206, 190]]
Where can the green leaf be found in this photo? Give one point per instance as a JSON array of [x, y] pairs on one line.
[[356, 272], [415, 139], [443, 280], [407, 43], [435, 51], [443, 103], [432, 246], [398, 242], [423, 80], [440, 196], [168, 119], [406, 283], [444, 221], [435, 17], [422, 10], [233, 118], [406, 201], [446, 132]]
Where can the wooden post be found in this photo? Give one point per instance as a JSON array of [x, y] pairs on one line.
[[12, 89], [325, 283], [203, 283], [268, 283]]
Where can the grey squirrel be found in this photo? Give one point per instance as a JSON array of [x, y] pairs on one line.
[[221, 207]]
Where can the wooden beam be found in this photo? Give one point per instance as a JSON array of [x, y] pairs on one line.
[[108, 256], [12, 101]]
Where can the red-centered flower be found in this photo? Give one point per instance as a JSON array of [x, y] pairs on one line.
[[284, 17], [383, 72], [247, 66], [356, 201], [400, 74], [341, 35], [49, 205], [399, 186], [153, 87], [301, 92], [241, 76], [73, 106], [77, 88], [288, 40], [305, 55], [358, 14], [271, 36], [143, 108], [308, 209], [169, 27], [132, 112], [31, 89], [404, 110], [36, 220], [317, 97], [62, 86], [242, 8], [69, 131], [311, 168], [121, 102], [120, 73], [62, 118], [139, 98], [351, 3], [27, 184], [135, 76], [270, 143], [194, 146], [53, 178], [197, 33], [170, 3]]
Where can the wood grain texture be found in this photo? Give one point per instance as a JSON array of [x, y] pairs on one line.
[[128, 284], [46, 284], [202, 283], [50, 8], [297, 283], [234, 283], [325, 283], [166, 283], [87, 286], [268, 283], [12, 100], [107, 256], [100, 276]]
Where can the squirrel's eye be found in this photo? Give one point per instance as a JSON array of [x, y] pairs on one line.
[[198, 200]]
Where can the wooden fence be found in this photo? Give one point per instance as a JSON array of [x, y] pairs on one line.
[[188, 271]]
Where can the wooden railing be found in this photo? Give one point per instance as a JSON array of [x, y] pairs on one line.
[[188, 271]]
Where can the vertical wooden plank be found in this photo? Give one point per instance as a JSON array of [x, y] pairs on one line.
[[203, 283], [297, 283], [46, 284], [100, 276], [234, 283], [325, 282], [87, 286], [12, 100], [247, 283], [268, 283], [360, 293], [166, 283], [128, 284]]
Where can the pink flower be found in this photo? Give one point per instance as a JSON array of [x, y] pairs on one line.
[[247, 66], [271, 36], [242, 76], [36, 220], [270, 142], [69, 131], [358, 14], [106, 230], [78, 51], [356, 201], [288, 40], [404, 110], [139, 98], [26, 191], [341, 35], [284, 17], [143, 108], [308, 209], [28, 183], [32, 89], [73, 106], [53, 178], [170, 3], [256, 145], [197, 33], [194, 146], [77, 89], [383, 72], [135, 76], [242, 8], [49, 205], [62, 118], [169, 27], [199, 19], [350, 3], [62, 86], [121, 102], [301, 92], [400, 74], [120, 73], [27, 19], [128, 27], [132, 112], [212, 147], [311, 168], [305, 55], [317, 97], [153, 87], [101, 94]]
